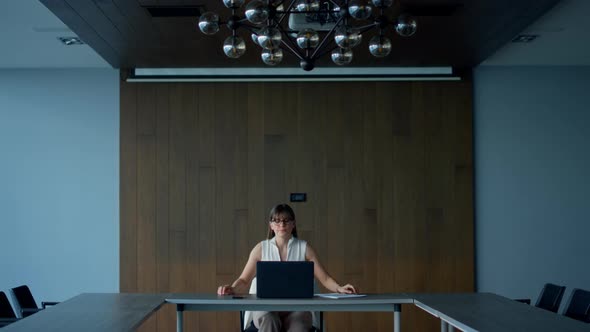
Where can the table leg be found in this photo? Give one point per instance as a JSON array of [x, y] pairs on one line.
[[451, 328], [397, 310], [444, 326], [179, 319]]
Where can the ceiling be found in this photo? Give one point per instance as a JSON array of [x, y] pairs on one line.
[[124, 35], [28, 35]]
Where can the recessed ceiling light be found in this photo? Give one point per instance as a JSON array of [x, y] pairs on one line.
[[524, 38], [71, 41]]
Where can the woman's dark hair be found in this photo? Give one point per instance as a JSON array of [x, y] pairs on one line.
[[281, 209]]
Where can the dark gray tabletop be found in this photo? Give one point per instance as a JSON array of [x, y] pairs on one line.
[[213, 302], [93, 313], [490, 312]]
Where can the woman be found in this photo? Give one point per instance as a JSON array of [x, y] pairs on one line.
[[282, 244]]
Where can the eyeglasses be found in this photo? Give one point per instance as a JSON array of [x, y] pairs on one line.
[[285, 222]]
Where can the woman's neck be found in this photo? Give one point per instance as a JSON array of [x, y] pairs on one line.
[[282, 242]]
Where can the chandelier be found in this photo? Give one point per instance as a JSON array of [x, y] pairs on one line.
[[308, 29]]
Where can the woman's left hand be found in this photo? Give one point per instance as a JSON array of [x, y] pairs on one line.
[[347, 289]]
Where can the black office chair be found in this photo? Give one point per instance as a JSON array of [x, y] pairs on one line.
[[578, 306], [7, 314], [549, 298], [252, 328], [26, 301]]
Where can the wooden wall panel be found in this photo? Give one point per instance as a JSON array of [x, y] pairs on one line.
[[387, 168]]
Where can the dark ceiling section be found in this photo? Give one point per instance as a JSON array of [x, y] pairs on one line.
[[163, 33]]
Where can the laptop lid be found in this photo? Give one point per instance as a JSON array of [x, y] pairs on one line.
[[284, 279]]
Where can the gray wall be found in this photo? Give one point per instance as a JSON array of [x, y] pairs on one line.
[[532, 162], [59, 178]]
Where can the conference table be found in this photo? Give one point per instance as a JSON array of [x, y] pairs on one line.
[[211, 302], [125, 312], [472, 312], [93, 312]]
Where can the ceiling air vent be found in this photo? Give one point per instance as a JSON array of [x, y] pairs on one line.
[[175, 11]]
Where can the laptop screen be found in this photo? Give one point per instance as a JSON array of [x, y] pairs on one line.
[[284, 279]]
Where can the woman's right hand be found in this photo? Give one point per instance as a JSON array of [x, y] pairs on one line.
[[225, 290]]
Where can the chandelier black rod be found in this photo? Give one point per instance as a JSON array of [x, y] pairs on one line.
[[327, 50], [326, 37], [367, 27], [292, 47], [288, 10]]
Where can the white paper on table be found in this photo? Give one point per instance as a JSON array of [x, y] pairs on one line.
[[339, 295]]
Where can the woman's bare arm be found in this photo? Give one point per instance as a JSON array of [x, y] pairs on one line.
[[240, 285], [323, 276]]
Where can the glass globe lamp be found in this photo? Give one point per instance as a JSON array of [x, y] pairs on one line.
[[256, 12], [234, 47], [307, 5], [209, 23], [272, 57], [233, 3], [269, 38], [346, 37], [406, 25], [342, 56], [382, 3], [359, 9], [308, 38], [380, 46]]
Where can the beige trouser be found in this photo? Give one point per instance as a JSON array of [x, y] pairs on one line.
[[276, 321]]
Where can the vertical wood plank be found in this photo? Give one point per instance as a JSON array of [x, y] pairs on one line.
[[128, 188], [386, 235], [165, 317], [207, 254], [191, 135], [257, 210], [177, 155], [146, 221]]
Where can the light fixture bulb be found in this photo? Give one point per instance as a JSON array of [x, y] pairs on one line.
[[234, 47], [382, 3], [342, 56], [347, 37], [308, 39], [307, 5], [209, 23], [359, 9], [257, 12], [272, 57], [233, 3], [406, 25], [380, 46], [269, 38]]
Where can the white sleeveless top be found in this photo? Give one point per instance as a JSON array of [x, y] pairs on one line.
[[270, 252]]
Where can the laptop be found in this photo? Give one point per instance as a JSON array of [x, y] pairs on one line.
[[288, 280]]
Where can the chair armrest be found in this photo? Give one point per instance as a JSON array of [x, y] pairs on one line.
[[29, 311], [45, 304], [527, 301]]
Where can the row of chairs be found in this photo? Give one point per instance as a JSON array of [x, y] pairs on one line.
[[23, 300], [577, 307]]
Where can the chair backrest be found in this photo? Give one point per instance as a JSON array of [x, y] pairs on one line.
[[246, 316], [6, 310], [24, 297], [578, 306], [550, 297]]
